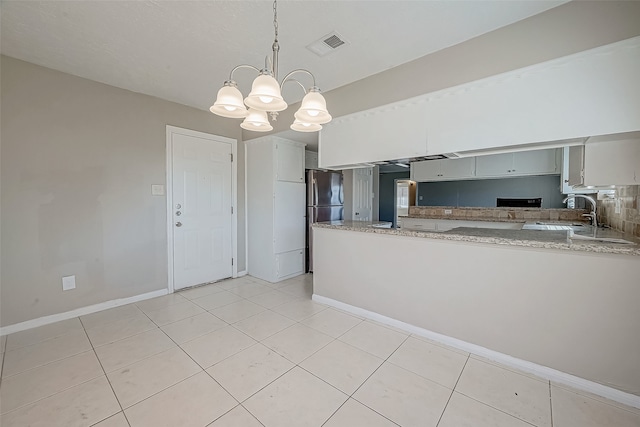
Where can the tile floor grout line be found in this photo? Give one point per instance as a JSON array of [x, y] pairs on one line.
[[507, 368], [41, 341], [497, 409], [453, 390], [105, 374], [550, 405]]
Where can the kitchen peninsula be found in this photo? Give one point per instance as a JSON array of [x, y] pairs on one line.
[[564, 309]]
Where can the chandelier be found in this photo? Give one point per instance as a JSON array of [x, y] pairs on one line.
[[265, 96]]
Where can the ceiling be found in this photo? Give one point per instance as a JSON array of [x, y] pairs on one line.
[[182, 51]]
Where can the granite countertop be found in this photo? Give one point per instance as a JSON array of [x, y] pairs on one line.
[[545, 239]]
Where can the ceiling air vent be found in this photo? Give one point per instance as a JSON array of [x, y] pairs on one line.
[[327, 44]]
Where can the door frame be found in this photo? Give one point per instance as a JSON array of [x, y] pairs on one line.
[[171, 130]]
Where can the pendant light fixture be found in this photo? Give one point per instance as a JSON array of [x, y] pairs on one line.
[[266, 96]]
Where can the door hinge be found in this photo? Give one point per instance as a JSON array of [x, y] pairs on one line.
[[231, 261], [231, 157], [231, 210]]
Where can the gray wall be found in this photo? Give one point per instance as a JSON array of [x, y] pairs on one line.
[[387, 192], [484, 192], [78, 161]]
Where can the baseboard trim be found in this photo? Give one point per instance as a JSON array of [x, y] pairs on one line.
[[41, 321], [242, 273], [522, 365]]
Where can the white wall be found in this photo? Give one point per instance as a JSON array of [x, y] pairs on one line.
[[575, 312], [78, 160]]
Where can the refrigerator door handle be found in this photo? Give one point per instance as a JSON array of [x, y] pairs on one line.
[[315, 191]]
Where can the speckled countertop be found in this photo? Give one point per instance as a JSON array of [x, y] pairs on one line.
[[527, 238]]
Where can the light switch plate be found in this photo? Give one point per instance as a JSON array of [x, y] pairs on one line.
[[157, 190], [68, 283], [448, 212], [618, 206]]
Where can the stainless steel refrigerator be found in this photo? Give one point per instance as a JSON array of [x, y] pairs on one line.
[[325, 202]]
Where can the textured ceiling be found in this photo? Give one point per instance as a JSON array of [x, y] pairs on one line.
[[182, 51]]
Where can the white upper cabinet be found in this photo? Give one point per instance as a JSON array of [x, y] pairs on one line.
[[606, 160], [521, 163], [310, 160], [595, 92], [289, 160], [395, 131], [443, 170]]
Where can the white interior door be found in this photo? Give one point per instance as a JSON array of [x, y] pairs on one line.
[[362, 194], [202, 210]]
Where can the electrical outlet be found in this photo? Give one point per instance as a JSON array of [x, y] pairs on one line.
[[420, 198], [448, 212], [618, 206], [157, 190], [68, 283]]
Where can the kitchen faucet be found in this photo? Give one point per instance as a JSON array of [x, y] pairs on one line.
[[591, 215]]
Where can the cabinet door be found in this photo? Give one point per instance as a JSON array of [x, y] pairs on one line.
[[576, 165], [612, 161], [494, 165], [289, 216], [289, 160], [537, 162], [289, 264], [428, 170], [310, 160], [457, 168]]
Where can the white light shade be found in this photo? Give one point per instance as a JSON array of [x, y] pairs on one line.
[[229, 103], [256, 121], [305, 127], [313, 109], [265, 95]]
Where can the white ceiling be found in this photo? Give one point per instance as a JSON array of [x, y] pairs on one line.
[[182, 51]]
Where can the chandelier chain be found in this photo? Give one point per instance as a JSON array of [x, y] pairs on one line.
[[275, 18]]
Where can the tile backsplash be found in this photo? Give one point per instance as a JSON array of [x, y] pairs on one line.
[[628, 220], [497, 214]]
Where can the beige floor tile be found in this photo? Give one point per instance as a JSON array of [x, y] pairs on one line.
[[233, 283], [237, 311], [263, 325], [298, 289], [217, 345], [117, 420], [341, 365], [245, 373], [272, 299], [174, 313], [297, 342], [44, 381], [296, 399], [119, 329], [463, 411], [331, 322], [82, 405], [403, 397], [299, 310], [237, 417], [430, 361], [375, 339], [515, 394], [193, 327], [42, 333], [219, 299], [112, 314], [201, 291], [354, 413], [194, 402], [596, 397], [439, 344], [276, 285], [160, 302], [16, 361], [250, 290], [509, 368], [142, 379], [576, 410], [130, 350]]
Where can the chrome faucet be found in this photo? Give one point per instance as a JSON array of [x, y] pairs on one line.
[[591, 215]]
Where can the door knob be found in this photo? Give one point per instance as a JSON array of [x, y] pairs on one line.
[[178, 224]]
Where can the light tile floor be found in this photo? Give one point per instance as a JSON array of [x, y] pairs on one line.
[[247, 353]]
